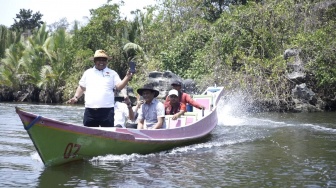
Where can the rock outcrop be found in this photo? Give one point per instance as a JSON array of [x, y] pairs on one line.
[[162, 82], [304, 98]]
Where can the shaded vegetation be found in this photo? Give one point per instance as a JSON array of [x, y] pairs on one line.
[[237, 44], [26, 20]]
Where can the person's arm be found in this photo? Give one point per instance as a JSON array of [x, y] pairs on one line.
[[192, 102], [159, 124], [177, 115], [141, 124], [79, 92], [135, 111], [141, 120], [181, 112], [123, 83], [160, 113], [136, 108], [130, 112]]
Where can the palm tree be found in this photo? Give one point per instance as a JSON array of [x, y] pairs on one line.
[[7, 38], [10, 68], [34, 57], [54, 73]]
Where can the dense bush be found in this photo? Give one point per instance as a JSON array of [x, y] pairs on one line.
[[232, 43]]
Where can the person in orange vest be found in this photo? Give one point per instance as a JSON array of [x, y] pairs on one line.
[[174, 106], [184, 97]]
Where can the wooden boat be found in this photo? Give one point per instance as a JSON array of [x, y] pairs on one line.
[[58, 142]]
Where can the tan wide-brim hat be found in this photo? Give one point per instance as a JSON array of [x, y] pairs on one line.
[[149, 87], [100, 53]]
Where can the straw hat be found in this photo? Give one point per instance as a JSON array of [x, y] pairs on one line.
[[100, 53]]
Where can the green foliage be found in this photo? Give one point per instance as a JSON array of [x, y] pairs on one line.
[[103, 30], [246, 43], [133, 52], [42, 61], [319, 50], [26, 20], [7, 38], [80, 61], [11, 73], [178, 57], [237, 44], [34, 57], [214, 8], [55, 72]]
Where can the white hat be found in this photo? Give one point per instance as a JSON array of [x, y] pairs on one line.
[[173, 92]]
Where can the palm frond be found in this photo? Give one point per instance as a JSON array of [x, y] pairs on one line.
[[133, 52]]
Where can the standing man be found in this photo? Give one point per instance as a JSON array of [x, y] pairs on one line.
[[152, 111], [98, 83], [184, 97]]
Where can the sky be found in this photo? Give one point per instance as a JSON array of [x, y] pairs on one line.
[[54, 10]]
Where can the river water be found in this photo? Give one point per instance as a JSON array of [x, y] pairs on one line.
[[245, 150]]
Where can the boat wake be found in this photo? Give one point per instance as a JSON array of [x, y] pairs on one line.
[[235, 125], [320, 128], [120, 158]]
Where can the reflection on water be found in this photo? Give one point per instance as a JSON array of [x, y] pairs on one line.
[[77, 174], [245, 150]]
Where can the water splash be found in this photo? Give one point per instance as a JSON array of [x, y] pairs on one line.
[[232, 110]]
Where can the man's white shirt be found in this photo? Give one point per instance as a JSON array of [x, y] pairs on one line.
[[99, 86]]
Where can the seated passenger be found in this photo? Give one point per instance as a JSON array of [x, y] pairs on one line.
[[133, 123], [184, 97], [173, 106], [122, 108], [151, 113]]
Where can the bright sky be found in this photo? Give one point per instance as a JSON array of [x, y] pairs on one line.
[[54, 10]]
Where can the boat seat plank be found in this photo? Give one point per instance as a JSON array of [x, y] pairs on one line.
[[204, 100], [171, 124], [191, 117]]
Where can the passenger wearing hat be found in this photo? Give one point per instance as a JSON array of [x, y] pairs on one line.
[[152, 112], [98, 83], [184, 97], [174, 106]]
